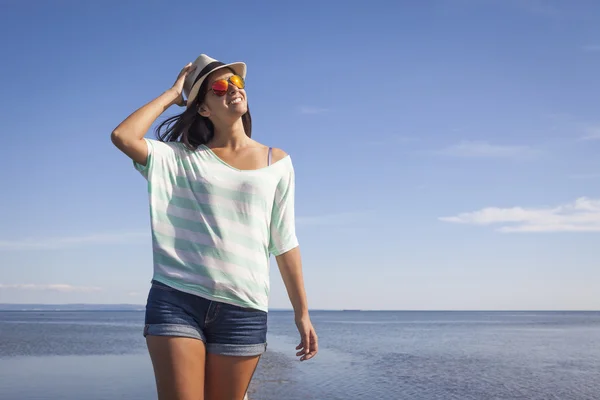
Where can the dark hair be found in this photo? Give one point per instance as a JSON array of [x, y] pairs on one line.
[[191, 128]]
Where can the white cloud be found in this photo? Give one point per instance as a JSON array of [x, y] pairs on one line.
[[581, 215], [72, 241], [59, 287], [312, 110], [472, 149], [591, 133]]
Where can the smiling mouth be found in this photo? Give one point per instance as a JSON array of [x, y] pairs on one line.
[[236, 100]]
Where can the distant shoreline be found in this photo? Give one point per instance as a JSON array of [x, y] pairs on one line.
[[141, 307]]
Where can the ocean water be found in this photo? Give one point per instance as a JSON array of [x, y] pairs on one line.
[[98, 355]]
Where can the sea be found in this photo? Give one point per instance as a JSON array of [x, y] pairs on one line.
[[442, 355]]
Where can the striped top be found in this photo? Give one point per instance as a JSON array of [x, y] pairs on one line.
[[214, 226]]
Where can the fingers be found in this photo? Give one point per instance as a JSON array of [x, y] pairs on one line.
[[314, 348], [178, 85], [189, 68], [308, 347], [186, 70], [302, 347]]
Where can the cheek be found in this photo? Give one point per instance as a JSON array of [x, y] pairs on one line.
[[215, 102]]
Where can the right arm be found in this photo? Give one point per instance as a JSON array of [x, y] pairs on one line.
[[128, 136]]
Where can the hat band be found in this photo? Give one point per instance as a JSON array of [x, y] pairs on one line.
[[207, 69]]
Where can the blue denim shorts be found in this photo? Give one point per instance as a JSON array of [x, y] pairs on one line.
[[225, 329]]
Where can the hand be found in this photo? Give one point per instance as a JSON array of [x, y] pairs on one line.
[[309, 345], [178, 85]]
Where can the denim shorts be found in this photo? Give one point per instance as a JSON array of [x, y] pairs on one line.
[[224, 328]]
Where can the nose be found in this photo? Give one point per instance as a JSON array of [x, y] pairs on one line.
[[233, 89]]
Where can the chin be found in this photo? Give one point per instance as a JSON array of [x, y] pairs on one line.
[[240, 110], [233, 115]]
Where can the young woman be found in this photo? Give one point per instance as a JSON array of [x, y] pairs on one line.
[[220, 205]]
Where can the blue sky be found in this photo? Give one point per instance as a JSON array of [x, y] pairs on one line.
[[446, 152]]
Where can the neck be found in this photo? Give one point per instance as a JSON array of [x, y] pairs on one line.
[[231, 136]]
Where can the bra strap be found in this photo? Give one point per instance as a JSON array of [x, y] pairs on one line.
[[270, 151]]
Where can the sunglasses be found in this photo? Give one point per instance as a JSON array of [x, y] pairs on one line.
[[221, 86]]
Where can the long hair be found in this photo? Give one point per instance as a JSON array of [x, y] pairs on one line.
[[191, 128]]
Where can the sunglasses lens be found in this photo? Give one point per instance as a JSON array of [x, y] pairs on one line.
[[220, 87], [237, 81]]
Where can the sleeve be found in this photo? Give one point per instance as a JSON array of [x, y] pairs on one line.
[[160, 155], [283, 224]]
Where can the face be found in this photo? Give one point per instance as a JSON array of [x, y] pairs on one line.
[[231, 106]]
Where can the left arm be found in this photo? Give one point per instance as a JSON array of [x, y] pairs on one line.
[[284, 245], [290, 266]]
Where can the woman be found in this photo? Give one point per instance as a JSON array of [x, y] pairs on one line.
[[220, 204]]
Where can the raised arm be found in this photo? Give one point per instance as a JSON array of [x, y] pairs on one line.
[[128, 136]]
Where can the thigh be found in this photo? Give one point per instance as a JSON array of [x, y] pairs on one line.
[[235, 331], [235, 339], [228, 377], [179, 365], [170, 312]]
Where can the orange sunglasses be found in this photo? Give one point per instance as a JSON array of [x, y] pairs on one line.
[[221, 86]]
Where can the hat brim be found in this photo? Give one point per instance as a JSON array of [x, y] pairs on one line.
[[238, 67]]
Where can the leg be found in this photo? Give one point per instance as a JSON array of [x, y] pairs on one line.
[[178, 364], [228, 377]]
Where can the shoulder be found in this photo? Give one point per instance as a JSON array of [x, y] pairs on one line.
[[278, 154]]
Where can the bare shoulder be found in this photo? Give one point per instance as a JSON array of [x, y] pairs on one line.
[[278, 154]]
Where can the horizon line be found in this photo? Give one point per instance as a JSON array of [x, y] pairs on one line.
[[125, 306]]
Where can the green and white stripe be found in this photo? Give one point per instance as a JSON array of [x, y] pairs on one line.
[[214, 226]]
